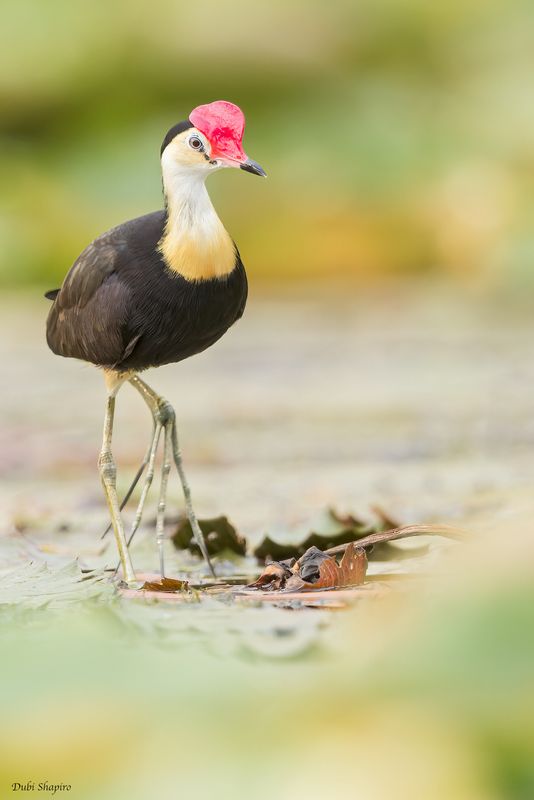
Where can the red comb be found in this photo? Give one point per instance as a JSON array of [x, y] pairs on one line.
[[223, 124]]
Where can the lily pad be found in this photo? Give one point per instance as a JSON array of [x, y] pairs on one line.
[[37, 585]]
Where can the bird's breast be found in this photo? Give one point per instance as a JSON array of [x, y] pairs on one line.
[[175, 318]]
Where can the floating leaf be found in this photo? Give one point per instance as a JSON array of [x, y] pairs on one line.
[[219, 534], [343, 528], [36, 584]]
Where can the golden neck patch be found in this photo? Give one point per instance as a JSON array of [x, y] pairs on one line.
[[195, 257]]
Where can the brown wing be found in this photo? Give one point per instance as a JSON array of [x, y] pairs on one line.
[[89, 314]]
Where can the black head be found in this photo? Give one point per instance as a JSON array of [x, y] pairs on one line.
[[180, 127]]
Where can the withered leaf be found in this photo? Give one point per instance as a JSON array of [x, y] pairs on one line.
[[219, 534], [315, 570], [350, 572], [309, 566], [273, 577], [165, 585]]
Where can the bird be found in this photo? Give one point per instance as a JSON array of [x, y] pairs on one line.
[[156, 290]]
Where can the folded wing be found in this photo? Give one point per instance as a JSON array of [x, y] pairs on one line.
[[89, 314]]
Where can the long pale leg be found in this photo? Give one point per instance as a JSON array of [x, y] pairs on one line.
[[192, 517], [163, 413], [152, 451], [160, 521], [108, 474], [148, 482], [134, 482]]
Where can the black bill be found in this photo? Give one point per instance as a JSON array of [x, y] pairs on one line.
[[253, 167]]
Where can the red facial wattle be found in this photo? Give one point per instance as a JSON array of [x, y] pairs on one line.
[[223, 124]]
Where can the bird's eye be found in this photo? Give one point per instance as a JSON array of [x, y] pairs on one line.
[[196, 143]]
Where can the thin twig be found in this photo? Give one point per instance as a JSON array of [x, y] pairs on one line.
[[402, 533]]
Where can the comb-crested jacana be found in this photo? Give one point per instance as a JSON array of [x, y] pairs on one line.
[[156, 290]]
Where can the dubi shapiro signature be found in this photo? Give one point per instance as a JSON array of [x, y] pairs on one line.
[[42, 786]]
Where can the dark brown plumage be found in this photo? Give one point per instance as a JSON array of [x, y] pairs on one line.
[[121, 307]]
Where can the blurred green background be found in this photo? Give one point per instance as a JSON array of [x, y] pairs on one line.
[[398, 135]]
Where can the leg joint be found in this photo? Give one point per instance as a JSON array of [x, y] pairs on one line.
[[165, 412], [106, 466]]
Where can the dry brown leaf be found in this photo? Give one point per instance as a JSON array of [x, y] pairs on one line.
[[315, 570], [350, 572], [165, 585], [273, 577]]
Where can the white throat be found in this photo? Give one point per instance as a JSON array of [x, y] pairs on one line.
[[195, 243]]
